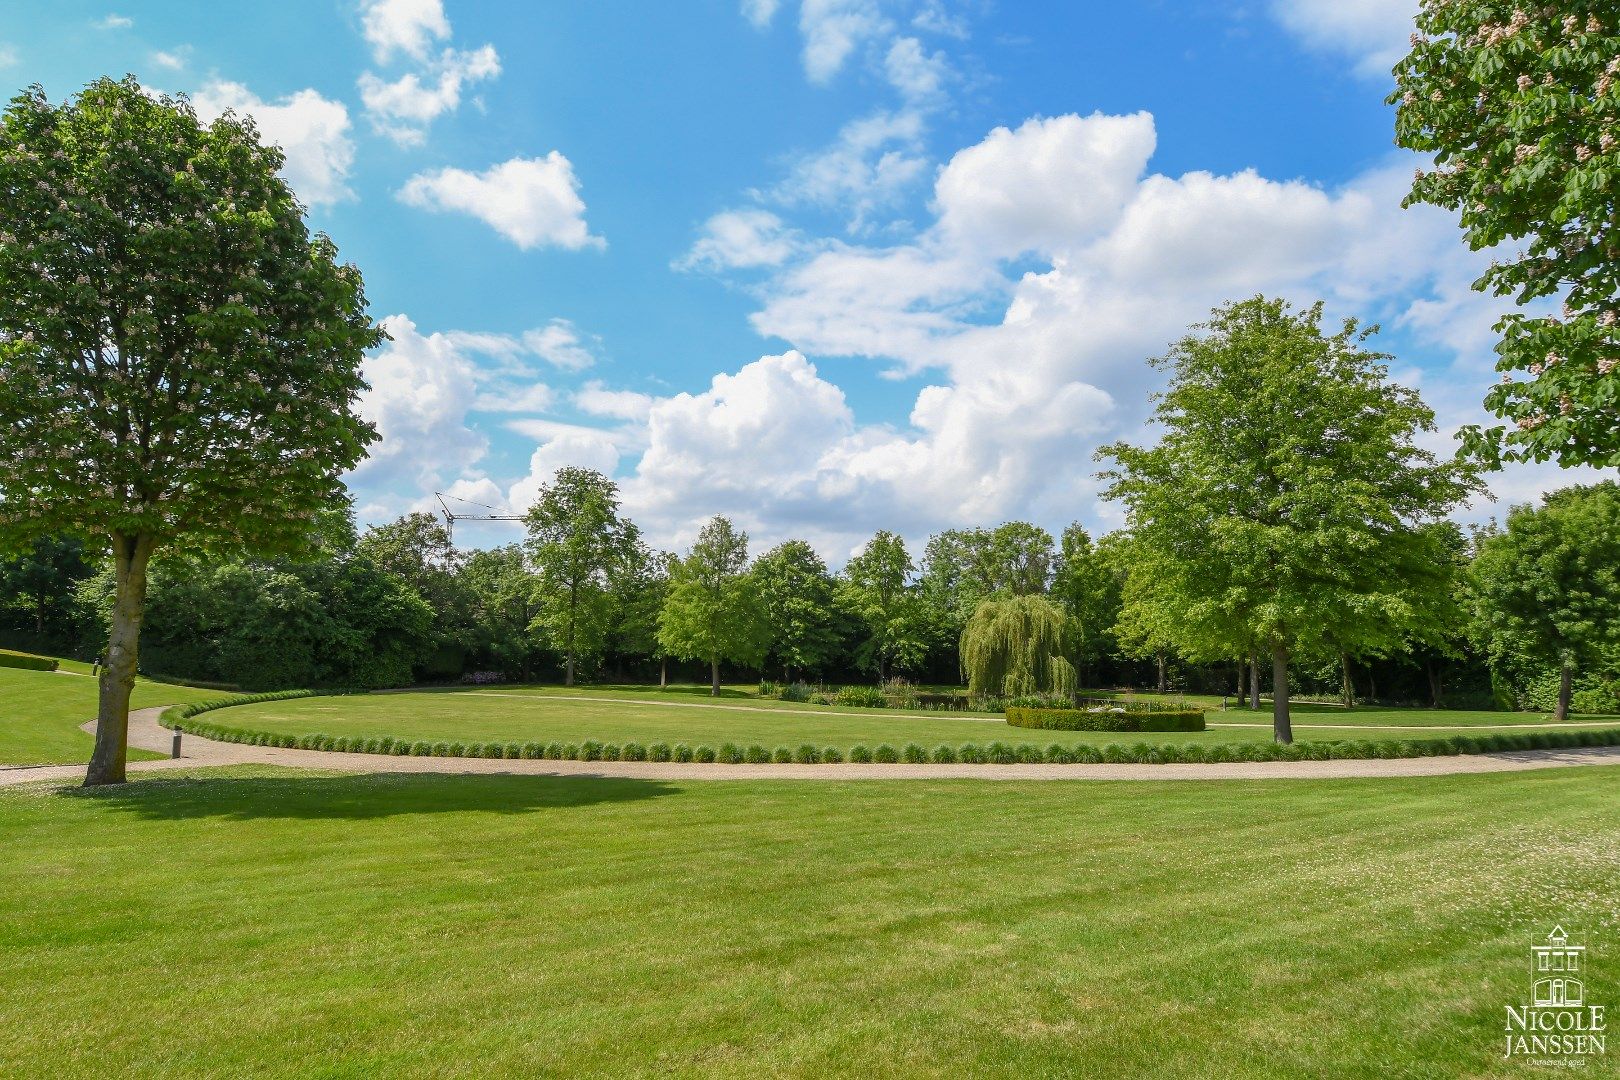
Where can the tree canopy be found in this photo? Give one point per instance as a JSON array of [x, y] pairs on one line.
[[877, 587], [801, 608], [713, 611], [579, 545], [1548, 585], [1520, 106], [1288, 480], [179, 358], [1014, 646]]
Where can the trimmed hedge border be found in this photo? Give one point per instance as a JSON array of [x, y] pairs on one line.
[[998, 753], [1106, 720], [27, 661]]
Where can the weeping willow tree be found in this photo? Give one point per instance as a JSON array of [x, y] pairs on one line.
[[1014, 646]]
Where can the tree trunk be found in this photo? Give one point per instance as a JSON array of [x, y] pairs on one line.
[[568, 670], [1566, 688], [1434, 684], [1163, 683], [1348, 691], [1254, 683], [130, 556], [39, 616], [663, 672], [1282, 727], [1372, 687], [714, 676]]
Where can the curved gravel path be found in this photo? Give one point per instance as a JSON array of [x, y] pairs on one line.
[[146, 733]]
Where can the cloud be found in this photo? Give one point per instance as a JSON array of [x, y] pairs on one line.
[[422, 387], [760, 12], [8, 55], [833, 29], [738, 239], [597, 400], [403, 108], [1029, 368], [866, 169], [173, 59], [1373, 33], [560, 344], [113, 22], [409, 27], [312, 131], [533, 202], [916, 73]]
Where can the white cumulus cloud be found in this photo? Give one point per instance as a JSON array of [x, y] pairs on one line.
[[1372, 33], [403, 108], [411, 27], [312, 131], [533, 202], [738, 239]]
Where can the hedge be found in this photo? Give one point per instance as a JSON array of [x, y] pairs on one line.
[[1106, 720], [181, 716], [27, 661]]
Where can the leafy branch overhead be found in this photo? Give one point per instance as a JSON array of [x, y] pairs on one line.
[[1520, 107]]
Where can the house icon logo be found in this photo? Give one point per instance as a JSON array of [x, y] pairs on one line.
[[1558, 965], [1557, 1025]]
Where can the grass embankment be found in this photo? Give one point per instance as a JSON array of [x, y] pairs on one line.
[[40, 713], [272, 923], [546, 715]]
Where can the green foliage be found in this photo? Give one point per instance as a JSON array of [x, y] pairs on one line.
[[1288, 482], [168, 325], [1547, 587], [800, 610], [579, 546], [1015, 646], [860, 697], [877, 588], [271, 625], [1521, 109], [713, 610], [1106, 719], [1087, 584], [27, 661]]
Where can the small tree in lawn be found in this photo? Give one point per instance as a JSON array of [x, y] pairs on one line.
[[713, 611], [579, 544], [801, 609], [1520, 106], [1549, 584], [179, 358], [877, 588], [1287, 484]]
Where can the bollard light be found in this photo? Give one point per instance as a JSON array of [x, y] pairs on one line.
[[174, 751]]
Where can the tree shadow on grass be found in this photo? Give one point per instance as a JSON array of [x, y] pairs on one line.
[[384, 795]]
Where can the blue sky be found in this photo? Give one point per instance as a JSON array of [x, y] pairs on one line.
[[825, 266]]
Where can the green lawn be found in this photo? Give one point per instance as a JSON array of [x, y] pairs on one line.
[[40, 714], [544, 715], [272, 923]]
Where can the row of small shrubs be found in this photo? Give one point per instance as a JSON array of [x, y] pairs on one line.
[[1105, 719], [27, 661], [176, 713], [996, 753]]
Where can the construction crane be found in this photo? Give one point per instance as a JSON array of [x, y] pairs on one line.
[[450, 517]]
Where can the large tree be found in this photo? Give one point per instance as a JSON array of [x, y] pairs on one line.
[[878, 589], [801, 607], [713, 611], [501, 587], [579, 544], [1520, 106], [1548, 585], [42, 577], [1086, 584], [1288, 479], [179, 357]]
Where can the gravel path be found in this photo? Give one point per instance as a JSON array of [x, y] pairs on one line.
[[146, 733]]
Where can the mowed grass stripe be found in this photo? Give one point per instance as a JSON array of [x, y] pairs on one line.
[[541, 716], [277, 924]]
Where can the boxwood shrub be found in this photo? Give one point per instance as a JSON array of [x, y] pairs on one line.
[[27, 661], [1106, 720]]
